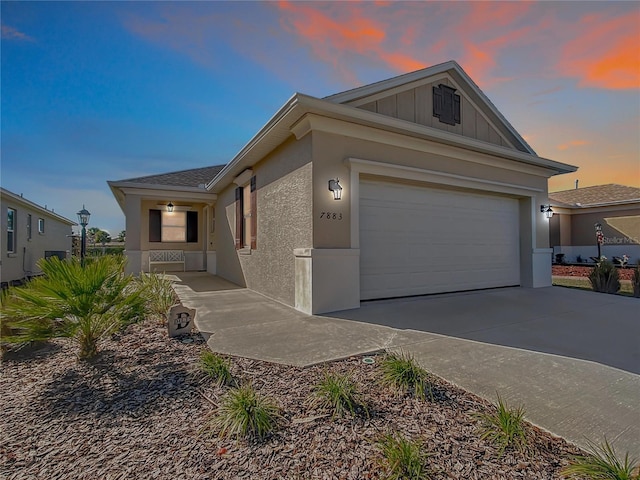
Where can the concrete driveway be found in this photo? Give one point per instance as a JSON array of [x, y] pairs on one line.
[[572, 323], [569, 356]]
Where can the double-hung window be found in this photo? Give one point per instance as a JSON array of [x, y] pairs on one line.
[[11, 230]]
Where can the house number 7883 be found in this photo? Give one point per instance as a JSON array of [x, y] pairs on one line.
[[331, 215]]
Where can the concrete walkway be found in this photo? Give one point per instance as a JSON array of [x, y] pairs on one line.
[[484, 342]]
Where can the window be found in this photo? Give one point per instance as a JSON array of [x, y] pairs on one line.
[[29, 227], [173, 226], [246, 216], [446, 104], [41, 225], [11, 230]]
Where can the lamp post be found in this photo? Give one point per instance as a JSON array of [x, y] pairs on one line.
[[83, 219], [599, 238]]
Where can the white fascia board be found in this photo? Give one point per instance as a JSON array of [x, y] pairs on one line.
[[121, 189], [34, 206], [417, 76], [278, 129], [246, 157], [345, 112]]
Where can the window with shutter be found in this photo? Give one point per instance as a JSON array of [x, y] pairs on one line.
[[446, 104], [246, 217], [173, 226]]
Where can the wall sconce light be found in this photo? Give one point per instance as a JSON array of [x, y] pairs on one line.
[[546, 209], [169, 207], [334, 186]]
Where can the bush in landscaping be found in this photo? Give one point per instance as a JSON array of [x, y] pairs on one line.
[[400, 371], [339, 394], [636, 280], [604, 277], [86, 303], [244, 413], [403, 458], [158, 293], [216, 367], [504, 427], [602, 463]]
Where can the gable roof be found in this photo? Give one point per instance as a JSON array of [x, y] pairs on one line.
[[596, 195], [34, 206], [194, 177], [411, 80]]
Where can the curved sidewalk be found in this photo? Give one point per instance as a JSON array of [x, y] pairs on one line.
[[573, 398]]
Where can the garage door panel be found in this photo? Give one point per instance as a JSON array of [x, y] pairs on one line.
[[415, 240]]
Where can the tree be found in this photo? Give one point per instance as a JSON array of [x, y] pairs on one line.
[[91, 235], [122, 236], [102, 237]]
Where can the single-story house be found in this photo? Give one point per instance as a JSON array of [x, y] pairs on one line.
[[29, 232], [578, 212], [409, 186]]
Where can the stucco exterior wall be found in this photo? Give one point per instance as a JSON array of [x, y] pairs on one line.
[[627, 233], [56, 237], [330, 151], [284, 204], [416, 105]]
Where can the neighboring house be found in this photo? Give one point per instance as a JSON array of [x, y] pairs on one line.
[[438, 193], [29, 233], [572, 229]]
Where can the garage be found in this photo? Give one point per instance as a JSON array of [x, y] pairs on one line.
[[416, 240]]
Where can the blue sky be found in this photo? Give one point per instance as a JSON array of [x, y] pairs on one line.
[[97, 91]]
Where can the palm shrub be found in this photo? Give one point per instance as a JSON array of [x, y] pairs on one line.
[[400, 371], [86, 303], [244, 413], [403, 458], [339, 394], [602, 463], [504, 427], [158, 293], [604, 277], [636, 280]]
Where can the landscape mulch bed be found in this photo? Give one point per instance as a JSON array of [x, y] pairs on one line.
[[583, 271], [140, 410]]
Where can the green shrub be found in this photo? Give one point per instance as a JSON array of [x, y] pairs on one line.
[[244, 413], [339, 394], [158, 293], [403, 458], [84, 303], [604, 277], [636, 280], [602, 463], [216, 367], [505, 427], [400, 371]]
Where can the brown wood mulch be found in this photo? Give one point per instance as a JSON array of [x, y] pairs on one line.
[[584, 271], [140, 409]]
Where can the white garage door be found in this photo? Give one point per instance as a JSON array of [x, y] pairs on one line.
[[416, 240]]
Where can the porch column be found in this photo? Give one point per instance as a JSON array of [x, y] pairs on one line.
[[132, 245]]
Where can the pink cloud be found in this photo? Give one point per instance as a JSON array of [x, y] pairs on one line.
[[606, 54], [572, 144], [10, 33]]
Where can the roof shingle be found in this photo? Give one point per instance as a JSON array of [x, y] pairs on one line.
[[596, 195], [183, 178]]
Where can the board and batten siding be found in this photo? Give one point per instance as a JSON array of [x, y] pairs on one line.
[[416, 105]]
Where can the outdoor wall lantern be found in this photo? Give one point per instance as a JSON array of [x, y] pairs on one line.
[[546, 209], [169, 207], [334, 186]]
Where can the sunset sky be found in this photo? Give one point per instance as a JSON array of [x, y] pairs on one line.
[[97, 91]]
